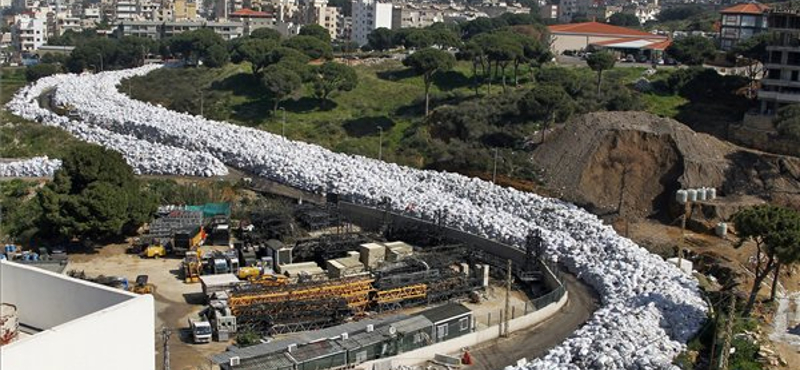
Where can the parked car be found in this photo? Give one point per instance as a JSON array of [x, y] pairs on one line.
[[630, 58], [641, 59]]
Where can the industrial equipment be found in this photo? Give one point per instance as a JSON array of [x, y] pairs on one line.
[[191, 267], [155, 251], [142, 286]]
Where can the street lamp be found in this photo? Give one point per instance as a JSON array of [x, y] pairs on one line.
[[101, 61], [283, 122], [380, 143]]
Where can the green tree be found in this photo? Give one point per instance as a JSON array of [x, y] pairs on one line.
[[196, 45], [473, 53], [787, 121], [546, 104], [311, 46], [427, 62], [281, 82], [315, 30], [215, 56], [418, 38], [381, 39], [776, 233], [254, 50], [94, 195], [752, 55], [599, 62], [332, 77], [691, 50], [266, 34], [624, 20], [40, 70]]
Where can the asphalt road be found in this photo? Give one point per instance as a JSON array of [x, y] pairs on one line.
[[536, 341]]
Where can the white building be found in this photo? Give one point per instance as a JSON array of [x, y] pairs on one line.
[[125, 10], [28, 33], [68, 324], [369, 15]]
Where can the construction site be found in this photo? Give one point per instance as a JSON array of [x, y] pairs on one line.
[[286, 267]]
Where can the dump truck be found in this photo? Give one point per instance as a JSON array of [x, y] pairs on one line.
[[201, 330], [191, 267]]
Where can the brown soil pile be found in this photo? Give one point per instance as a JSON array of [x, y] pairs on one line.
[[630, 164]]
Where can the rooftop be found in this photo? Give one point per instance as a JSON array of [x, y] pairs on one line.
[[445, 312], [635, 43], [599, 29], [746, 8], [245, 12], [316, 350]]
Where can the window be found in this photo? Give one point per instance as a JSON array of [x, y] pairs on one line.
[[442, 331], [729, 20], [463, 323], [795, 76]]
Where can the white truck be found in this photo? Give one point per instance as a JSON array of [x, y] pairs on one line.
[[201, 331]]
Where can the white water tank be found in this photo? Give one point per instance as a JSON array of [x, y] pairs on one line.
[[681, 196], [692, 195], [721, 229], [711, 194], [701, 194]]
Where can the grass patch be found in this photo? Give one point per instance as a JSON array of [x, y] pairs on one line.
[[664, 105], [21, 138]]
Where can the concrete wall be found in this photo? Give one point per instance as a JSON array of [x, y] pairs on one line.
[[85, 326], [424, 354], [575, 42]]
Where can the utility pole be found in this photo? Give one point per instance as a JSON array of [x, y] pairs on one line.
[[283, 124], [507, 314], [494, 169], [686, 207], [165, 334], [725, 353], [201, 103], [380, 143]]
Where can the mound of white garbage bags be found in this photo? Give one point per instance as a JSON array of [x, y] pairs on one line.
[[144, 156], [650, 308], [32, 167]]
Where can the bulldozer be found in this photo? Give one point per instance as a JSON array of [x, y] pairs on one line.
[[191, 267], [142, 286]]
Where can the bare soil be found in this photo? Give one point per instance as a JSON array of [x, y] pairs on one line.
[[629, 164]]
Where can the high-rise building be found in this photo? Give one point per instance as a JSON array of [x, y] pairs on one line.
[[184, 10], [318, 12], [781, 83], [369, 15], [28, 33], [740, 22]]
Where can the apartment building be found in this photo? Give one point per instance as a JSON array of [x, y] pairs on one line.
[[125, 10], [148, 29], [184, 10], [252, 20], [28, 32], [740, 22], [567, 9], [416, 15], [781, 84], [369, 15]]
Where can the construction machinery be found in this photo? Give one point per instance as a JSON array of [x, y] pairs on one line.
[[191, 267], [142, 286], [156, 250]]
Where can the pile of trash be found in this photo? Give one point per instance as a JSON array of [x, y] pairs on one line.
[[32, 167], [650, 308]]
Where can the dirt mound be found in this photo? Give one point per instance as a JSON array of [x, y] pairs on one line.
[[630, 164]]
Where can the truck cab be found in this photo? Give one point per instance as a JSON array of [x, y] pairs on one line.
[[201, 331]]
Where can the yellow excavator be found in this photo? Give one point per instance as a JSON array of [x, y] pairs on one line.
[[191, 267], [142, 286]]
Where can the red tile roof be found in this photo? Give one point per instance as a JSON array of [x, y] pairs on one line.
[[599, 29], [746, 8], [245, 12]]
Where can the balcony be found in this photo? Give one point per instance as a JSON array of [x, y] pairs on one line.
[[782, 97]]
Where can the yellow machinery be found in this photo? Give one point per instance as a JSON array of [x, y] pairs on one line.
[[401, 294], [249, 273], [155, 251], [270, 280], [191, 267], [355, 291], [142, 286]]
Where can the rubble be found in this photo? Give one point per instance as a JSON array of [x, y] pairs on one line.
[[650, 309], [33, 167]]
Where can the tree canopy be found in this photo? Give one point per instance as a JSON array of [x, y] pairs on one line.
[[427, 62], [281, 82], [776, 232], [624, 20], [599, 62], [691, 50], [311, 46], [315, 30], [381, 39], [331, 77], [94, 195]]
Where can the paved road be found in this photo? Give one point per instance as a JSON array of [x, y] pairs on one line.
[[536, 341]]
